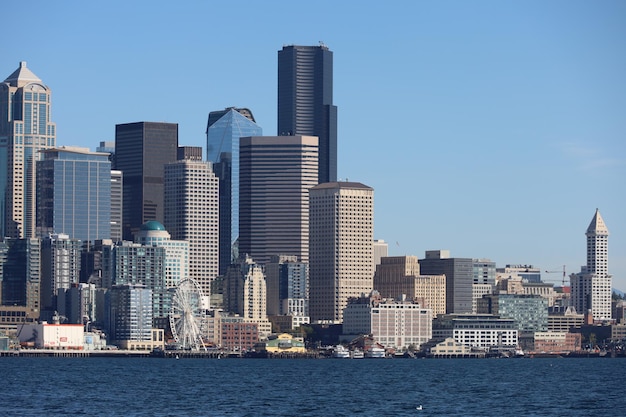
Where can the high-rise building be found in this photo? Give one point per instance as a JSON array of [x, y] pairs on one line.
[[20, 275], [117, 196], [141, 151], [530, 312], [305, 101], [224, 129], [25, 129], [192, 215], [591, 287], [130, 316], [341, 247], [74, 194], [381, 250], [276, 173], [287, 287], [246, 290], [459, 274], [60, 268]]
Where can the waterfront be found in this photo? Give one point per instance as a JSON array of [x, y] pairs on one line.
[[253, 387]]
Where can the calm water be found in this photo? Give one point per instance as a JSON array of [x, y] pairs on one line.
[[256, 387]]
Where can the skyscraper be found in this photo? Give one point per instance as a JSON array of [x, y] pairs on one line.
[[141, 151], [305, 101], [341, 247], [192, 214], [224, 129], [591, 287], [276, 174], [74, 194], [25, 129]]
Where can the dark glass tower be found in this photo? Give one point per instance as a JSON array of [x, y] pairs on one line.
[[305, 101], [141, 151]]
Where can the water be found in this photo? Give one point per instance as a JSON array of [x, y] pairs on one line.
[[258, 387]]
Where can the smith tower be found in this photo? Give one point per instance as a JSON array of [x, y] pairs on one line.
[[305, 101], [25, 129], [591, 288]]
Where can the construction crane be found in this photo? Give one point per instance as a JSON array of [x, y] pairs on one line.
[[555, 272]]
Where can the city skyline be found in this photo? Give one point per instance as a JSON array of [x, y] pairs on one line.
[[505, 120]]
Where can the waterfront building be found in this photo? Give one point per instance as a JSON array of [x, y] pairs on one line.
[[237, 335], [395, 324], [459, 274], [60, 268], [276, 173], [26, 128], [141, 151], [288, 288], [52, 335], [130, 320], [305, 101], [592, 286], [153, 233], [530, 312], [400, 275], [341, 247], [556, 342], [192, 215], [224, 129], [284, 343], [20, 274], [74, 193], [477, 330]]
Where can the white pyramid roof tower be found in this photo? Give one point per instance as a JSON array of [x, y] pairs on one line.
[[597, 226], [22, 76]]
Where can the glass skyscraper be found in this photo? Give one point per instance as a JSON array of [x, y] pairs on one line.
[[305, 101], [224, 129], [25, 129], [74, 194]]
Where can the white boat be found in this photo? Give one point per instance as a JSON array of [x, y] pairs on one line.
[[357, 354], [340, 352], [375, 352]]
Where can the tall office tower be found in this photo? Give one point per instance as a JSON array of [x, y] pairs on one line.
[[341, 248], [192, 215], [91, 261], [276, 174], [246, 290], [117, 195], [459, 274], [398, 276], [60, 268], [141, 151], [591, 287], [153, 233], [224, 129], [287, 287], [25, 129], [305, 101], [484, 271], [78, 304], [136, 264], [20, 274], [74, 194]]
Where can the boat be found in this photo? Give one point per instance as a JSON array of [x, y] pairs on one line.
[[340, 352], [375, 352], [357, 354]]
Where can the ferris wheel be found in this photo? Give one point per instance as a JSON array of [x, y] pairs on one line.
[[187, 315]]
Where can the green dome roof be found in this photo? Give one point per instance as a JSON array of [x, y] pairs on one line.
[[152, 225]]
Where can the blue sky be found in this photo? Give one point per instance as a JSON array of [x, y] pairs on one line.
[[490, 128]]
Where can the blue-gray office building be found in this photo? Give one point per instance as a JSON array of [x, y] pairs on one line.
[[74, 194], [224, 129]]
